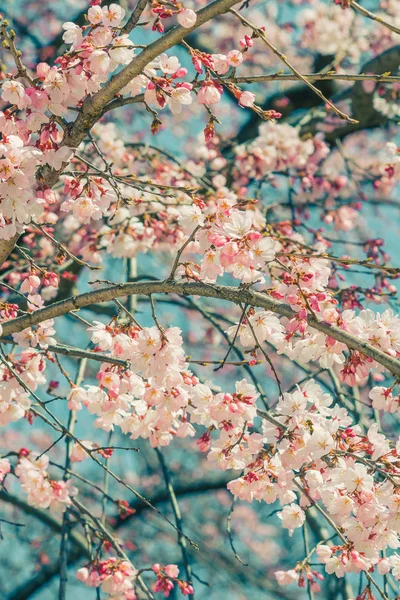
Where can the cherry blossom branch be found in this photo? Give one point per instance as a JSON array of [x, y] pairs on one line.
[[9, 43], [339, 533], [57, 425], [110, 538], [236, 295], [93, 106], [260, 34], [368, 264], [279, 76]]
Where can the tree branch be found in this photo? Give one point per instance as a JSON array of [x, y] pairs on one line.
[[232, 294], [134, 18]]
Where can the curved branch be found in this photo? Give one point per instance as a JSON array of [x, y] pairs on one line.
[[235, 295]]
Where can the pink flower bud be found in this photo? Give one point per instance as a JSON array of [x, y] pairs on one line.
[[208, 94], [247, 99], [42, 69], [187, 18], [182, 72], [82, 574]]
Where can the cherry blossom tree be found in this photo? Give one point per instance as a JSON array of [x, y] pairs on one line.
[[199, 302]]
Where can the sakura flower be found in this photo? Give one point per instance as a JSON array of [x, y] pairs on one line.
[[169, 64], [320, 443], [72, 35], [239, 224], [55, 85], [30, 284], [358, 478], [382, 399], [211, 268], [122, 50], [221, 64], [12, 92], [292, 517], [208, 94], [78, 453], [292, 404], [191, 217], [76, 397], [247, 99], [95, 15], [113, 15], [395, 564], [180, 96], [287, 577], [99, 62], [234, 58], [378, 441], [324, 552]]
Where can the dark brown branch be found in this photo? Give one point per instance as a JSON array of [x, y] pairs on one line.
[[135, 16]]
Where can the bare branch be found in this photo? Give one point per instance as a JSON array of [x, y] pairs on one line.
[[373, 17]]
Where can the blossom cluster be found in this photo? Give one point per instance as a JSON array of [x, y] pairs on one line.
[[299, 341], [314, 452], [19, 159], [149, 399], [113, 576], [42, 491], [167, 577], [279, 148], [15, 400], [117, 578]]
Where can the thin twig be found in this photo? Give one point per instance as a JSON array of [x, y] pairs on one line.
[[178, 517], [260, 33], [373, 16]]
